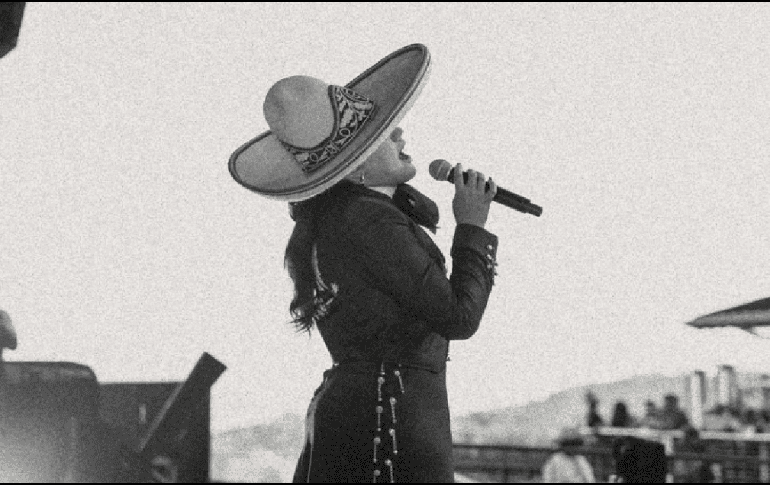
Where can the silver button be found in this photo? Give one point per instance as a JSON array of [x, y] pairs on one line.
[[490, 247]]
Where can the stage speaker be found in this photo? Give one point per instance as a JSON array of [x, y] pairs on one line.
[[128, 410], [11, 14], [47, 412]]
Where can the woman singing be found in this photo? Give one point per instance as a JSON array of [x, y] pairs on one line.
[[365, 272]]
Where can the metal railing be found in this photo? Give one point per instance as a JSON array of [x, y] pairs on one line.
[[731, 457]]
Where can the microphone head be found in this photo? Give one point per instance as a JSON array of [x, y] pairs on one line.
[[439, 170]]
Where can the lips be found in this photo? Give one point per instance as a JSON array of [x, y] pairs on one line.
[[403, 156]]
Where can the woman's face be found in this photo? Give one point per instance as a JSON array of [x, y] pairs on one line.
[[388, 166]]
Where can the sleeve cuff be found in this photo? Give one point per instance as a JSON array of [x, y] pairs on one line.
[[477, 239]]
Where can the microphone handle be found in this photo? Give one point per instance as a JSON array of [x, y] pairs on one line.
[[517, 202], [506, 198]]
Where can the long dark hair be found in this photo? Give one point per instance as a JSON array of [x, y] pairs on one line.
[[297, 261], [298, 256]]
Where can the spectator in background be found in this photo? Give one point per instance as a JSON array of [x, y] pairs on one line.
[[749, 421], [695, 470], [594, 419], [639, 461], [566, 465], [621, 418], [737, 417], [763, 425], [651, 419], [672, 417], [721, 419]]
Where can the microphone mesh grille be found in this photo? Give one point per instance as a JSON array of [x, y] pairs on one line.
[[439, 169]]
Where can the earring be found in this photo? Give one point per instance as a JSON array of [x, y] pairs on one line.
[[362, 178]]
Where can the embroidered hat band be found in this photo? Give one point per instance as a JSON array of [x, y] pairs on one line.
[[351, 110]]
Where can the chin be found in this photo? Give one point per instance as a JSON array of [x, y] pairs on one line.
[[409, 173], [404, 180]]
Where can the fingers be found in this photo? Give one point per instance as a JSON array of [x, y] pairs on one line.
[[492, 189], [472, 182], [458, 175], [475, 180], [481, 182]]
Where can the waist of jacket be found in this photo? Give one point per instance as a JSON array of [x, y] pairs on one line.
[[366, 366]]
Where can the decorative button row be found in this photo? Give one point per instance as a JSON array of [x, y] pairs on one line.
[[491, 263], [383, 464], [377, 472]]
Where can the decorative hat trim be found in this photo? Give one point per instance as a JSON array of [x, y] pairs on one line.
[[351, 111], [277, 170]]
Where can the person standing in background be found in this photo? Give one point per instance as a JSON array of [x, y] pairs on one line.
[[672, 416], [593, 418], [567, 465], [621, 418], [651, 418]]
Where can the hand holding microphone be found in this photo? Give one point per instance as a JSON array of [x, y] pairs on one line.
[[473, 195], [442, 170]]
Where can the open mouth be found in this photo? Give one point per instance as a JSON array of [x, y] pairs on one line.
[[404, 157]]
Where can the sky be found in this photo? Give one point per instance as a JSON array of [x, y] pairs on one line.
[[641, 129]]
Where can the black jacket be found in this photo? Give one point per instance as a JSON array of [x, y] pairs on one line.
[[393, 299]]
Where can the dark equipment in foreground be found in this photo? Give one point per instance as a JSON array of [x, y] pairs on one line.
[[11, 14], [171, 426], [57, 424]]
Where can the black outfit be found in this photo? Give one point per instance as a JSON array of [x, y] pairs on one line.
[[640, 461], [388, 313]]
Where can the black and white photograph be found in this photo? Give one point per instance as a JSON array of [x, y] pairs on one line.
[[384, 242]]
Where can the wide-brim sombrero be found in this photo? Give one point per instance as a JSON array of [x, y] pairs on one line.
[[265, 166]]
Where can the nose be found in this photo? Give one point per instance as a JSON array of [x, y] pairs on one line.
[[396, 134]]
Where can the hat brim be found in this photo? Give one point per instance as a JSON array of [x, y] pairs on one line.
[[570, 442], [264, 166]]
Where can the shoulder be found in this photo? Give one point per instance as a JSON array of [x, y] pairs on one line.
[[557, 457], [581, 459], [554, 463]]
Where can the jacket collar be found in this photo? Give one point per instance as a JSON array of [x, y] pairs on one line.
[[414, 204]]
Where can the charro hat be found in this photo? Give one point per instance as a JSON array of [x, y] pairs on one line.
[[320, 133]]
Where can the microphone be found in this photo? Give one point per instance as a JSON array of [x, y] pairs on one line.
[[442, 170]]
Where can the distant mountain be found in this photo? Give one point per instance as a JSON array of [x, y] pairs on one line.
[[269, 452], [264, 453], [539, 422]]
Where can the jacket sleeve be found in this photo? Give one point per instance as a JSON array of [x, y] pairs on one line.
[[397, 264]]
